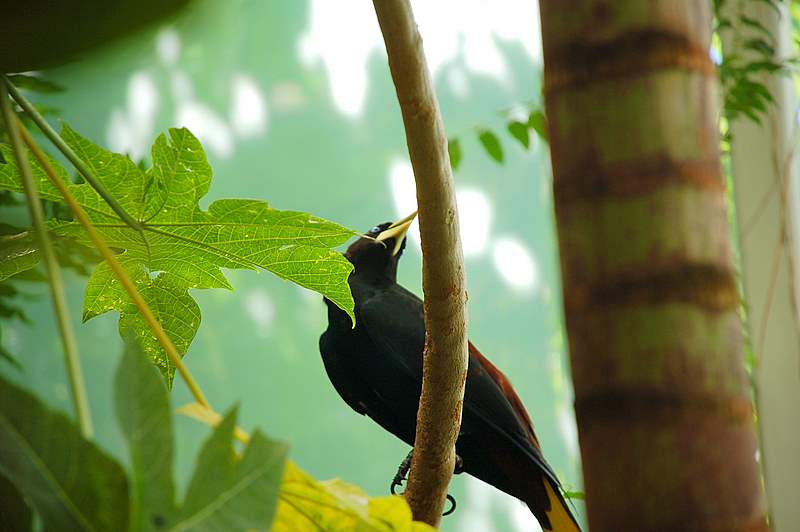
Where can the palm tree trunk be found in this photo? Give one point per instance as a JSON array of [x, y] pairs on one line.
[[661, 395]]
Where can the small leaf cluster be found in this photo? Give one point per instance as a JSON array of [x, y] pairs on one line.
[[520, 130], [741, 75]]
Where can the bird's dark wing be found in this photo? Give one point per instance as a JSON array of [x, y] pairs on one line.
[[393, 318], [345, 379]]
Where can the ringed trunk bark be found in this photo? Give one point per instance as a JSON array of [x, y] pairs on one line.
[[661, 395]]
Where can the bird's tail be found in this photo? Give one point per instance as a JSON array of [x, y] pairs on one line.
[[559, 514]]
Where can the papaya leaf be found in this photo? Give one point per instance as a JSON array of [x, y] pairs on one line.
[[309, 504], [231, 493], [455, 153], [491, 144], [18, 253], [71, 483], [142, 408], [182, 246]]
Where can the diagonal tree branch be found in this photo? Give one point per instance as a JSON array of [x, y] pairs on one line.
[[445, 359]]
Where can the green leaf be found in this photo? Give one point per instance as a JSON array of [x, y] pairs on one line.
[[72, 484], [142, 408], [15, 514], [183, 247], [519, 130], [454, 150], [18, 253], [308, 504], [231, 493], [538, 122], [491, 144]]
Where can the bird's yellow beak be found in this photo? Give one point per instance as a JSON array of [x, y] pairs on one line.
[[397, 231]]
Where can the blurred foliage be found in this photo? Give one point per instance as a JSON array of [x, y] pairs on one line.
[[749, 55], [72, 484], [518, 123]]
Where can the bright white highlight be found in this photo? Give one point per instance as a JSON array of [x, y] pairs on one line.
[[344, 54], [520, 516], [207, 126], [474, 218], [168, 46], [261, 310], [568, 428], [474, 208], [249, 109], [476, 513], [131, 128], [515, 264], [404, 194], [455, 32]]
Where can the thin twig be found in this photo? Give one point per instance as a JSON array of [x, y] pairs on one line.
[[68, 152], [119, 272], [71, 356]]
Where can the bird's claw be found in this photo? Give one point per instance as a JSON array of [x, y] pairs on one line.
[[459, 468], [402, 473], [452, 505], [405, 467]]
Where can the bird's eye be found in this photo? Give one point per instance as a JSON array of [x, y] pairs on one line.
[[375, 230]]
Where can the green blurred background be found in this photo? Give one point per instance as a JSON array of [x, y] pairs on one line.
[[294, 104]]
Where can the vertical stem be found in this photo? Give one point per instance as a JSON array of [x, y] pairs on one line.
[[445, 356], [55, 281]]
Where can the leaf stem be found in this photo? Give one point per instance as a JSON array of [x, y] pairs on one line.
[[119, 272], [72, 359], [68, 152]]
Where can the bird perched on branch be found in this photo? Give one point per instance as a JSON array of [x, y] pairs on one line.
[[376, 368]]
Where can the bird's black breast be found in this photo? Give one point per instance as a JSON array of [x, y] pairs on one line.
[[377, 367]]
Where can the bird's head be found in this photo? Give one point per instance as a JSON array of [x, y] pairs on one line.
[[378, 251]]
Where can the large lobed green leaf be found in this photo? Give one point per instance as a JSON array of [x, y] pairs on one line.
[[71, 483], [181, 246]]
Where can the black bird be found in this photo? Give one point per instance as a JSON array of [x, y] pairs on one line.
[[376, 367]]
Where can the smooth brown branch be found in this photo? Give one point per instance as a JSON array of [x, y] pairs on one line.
[[445, 358]]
